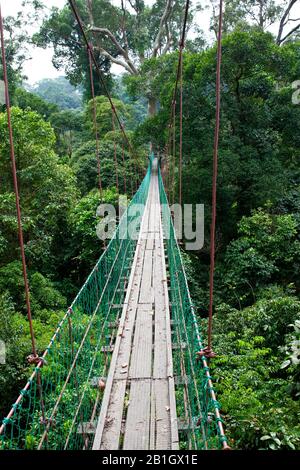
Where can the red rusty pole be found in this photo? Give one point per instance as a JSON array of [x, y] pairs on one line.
[[209, 352], [16, 187]]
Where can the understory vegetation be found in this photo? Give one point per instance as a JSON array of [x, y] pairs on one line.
[[256, 326]]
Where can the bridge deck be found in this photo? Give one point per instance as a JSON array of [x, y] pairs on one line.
[[138, 409]]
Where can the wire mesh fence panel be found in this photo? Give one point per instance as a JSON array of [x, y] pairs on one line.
[[200, 424], [58, 405]]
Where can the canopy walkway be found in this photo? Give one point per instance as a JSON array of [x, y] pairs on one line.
[[125, 368], [122, 371], [142, 359]]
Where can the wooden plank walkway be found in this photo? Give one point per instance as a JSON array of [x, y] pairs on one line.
[[138, 408]]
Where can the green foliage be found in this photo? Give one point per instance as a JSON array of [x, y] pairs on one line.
[[142, 26], [259, 137], [104, 115], [257, 308], [267, 250], [47, 189], [84, 164], [257, 395], [68, 128], [83, 223], [58, 31], [15, 333], [30, 101]]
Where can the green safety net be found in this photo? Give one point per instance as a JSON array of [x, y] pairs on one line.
[[200, 424], [59, 406], [60, 402]]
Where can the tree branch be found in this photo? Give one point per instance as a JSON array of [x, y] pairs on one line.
[[134, 6], [124, 26], [123, 52], [297, 28], [114, 59], [163, 21], [169, 41], [90, 11], [128, 65], [284, 20]]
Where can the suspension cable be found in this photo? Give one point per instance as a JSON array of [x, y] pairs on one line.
[[95, 122], [174, 150], [115, 152], [208, 350], [180, 124], [32, 359], [124, 169], [177, 81], [16, 188], [99, 72]]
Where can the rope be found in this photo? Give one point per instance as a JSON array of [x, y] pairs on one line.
[[34, 357], [173, 109], [99, 73], [95, 122], [174, 150], [124, 169], [16, 188], [209, 352], [180, 126], [115, 153]]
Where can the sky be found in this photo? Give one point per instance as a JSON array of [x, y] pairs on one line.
[[40, 66]]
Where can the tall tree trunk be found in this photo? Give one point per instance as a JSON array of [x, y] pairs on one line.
[[261, 14], [152, 106]]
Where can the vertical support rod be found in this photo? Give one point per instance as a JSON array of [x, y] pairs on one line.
[[214, 182], [180, 125], [115, 152], [95, 122], [16, 187]]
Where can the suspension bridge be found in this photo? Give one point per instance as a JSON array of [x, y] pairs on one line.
[[126, 367]]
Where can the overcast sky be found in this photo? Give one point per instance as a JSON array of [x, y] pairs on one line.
[[40, 65]]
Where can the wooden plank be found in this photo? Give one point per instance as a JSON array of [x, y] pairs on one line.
[[138, 416], [146, 292], [141, 356], [113, 421], [171, 385], [162, 412], [150, 243], [122, 364], [152, 418], [151, 421], [160, 354], [137, 261]]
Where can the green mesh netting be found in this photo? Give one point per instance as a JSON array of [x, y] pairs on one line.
[[58, 407], [64, 393], [197, 409]]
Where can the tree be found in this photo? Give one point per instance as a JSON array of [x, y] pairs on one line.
[[104, 114], [68, 128], [84, 164], [58, 91], [261, 13], [267, 250], [259, 138], [47, 191], [283, 35], [17, 39], [257, 393], [125, 37], [84, 244], [26, 100]]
